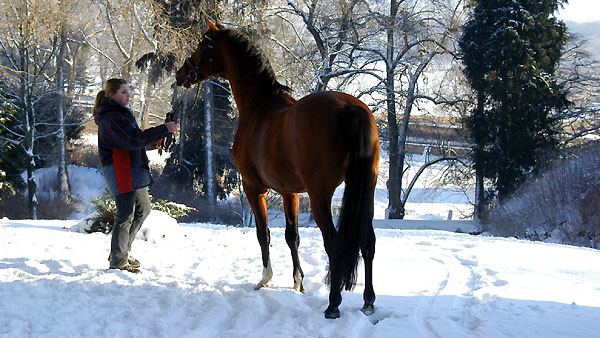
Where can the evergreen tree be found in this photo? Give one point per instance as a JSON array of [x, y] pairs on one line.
[[202, 157], [511, 51], [12, 161], [187, 162]]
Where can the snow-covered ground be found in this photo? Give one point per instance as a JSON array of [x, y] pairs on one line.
[[198, 281]]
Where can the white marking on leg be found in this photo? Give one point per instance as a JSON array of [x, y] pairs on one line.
[[266, 276], [298, 281]]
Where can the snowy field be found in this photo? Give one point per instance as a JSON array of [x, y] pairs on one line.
[[198, 281]]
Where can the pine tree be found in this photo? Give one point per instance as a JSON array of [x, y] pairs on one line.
[[202, 158], [187, 162], [511, 51], [12, 161]]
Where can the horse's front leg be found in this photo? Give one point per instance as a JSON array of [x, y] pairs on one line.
[[257, 198], [290, 204]]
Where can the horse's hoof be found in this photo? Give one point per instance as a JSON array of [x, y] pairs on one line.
[[261, 285], [299, 288], [332, 314], [368, 309], [298, 277]]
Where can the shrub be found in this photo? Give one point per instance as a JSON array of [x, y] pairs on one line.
[[172, 209], [84, 155], [57, 208], [559, 206], [173, 189], [13, 206], [48, 207], [106, 210]]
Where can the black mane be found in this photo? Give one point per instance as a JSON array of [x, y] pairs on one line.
[[255, 60]]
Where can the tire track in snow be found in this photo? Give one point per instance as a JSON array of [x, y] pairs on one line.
[[446, 313]]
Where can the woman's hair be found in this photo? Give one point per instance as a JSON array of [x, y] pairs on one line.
[[111, 86]]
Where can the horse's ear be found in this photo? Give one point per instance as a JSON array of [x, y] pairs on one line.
[[211, 26]]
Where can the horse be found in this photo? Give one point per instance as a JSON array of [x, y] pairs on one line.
[[294, 146]]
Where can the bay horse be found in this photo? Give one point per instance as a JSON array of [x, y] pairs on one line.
[[310, 145]]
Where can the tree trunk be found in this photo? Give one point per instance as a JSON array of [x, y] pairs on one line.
[[29, 142], [29, 126], [479, 195], [145, 108], [63, 186], [395, 208], [208, 115], [402, 137], [479, 187], [181, 121]]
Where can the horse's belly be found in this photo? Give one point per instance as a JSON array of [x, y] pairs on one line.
[[282, 180], [275, 174]]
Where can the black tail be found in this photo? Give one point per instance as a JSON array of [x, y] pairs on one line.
[[356, 215]]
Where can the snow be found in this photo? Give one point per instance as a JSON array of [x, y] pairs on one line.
[[198, 281]]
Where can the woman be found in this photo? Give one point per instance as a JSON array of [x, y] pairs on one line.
[[121, 145]]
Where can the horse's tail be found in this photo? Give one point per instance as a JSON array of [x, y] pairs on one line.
[[355, 224]]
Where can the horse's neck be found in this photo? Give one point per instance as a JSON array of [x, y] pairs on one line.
[[250, 95], [252, 98]]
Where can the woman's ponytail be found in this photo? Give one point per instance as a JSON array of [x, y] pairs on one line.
[[99, 98]]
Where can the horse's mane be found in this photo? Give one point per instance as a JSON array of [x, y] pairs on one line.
[[256, 60]]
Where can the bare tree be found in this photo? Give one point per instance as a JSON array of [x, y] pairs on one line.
[[346, 44], [26, 50], [336, 28], [578, 74], [69, 21], [426, 31], [125, 33]]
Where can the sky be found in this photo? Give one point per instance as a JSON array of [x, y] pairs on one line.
[[581, 11]]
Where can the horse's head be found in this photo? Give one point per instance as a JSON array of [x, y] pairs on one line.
[[201, 65]]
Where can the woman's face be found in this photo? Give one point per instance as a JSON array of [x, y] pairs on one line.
[[122, 95]]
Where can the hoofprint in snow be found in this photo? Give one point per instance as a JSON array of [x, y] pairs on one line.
[[198, 281]]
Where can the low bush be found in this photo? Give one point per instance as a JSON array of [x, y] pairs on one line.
[[177, 190], [106, 210], [561, 205], [57, 208], [84, 155], [14, 206]]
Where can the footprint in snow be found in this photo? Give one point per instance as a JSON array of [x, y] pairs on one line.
[[380, 315], [500, 282]]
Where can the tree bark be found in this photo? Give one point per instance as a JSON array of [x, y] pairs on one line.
[[63, 185], [208, 116], [395, 207]]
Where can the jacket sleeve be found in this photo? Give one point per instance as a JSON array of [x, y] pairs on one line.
[[125, 135]]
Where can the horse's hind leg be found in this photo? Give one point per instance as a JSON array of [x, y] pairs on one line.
[[321, 209], [368, 253], [290, 204], [258, 202]]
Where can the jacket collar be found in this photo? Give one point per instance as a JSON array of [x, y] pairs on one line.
[[108, 104]]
